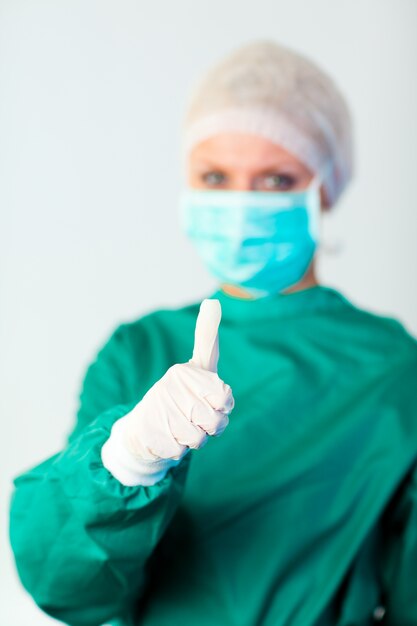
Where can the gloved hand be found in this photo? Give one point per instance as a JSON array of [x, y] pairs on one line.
[[178, 412]]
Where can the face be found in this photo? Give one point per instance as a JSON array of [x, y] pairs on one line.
[[245, 162]]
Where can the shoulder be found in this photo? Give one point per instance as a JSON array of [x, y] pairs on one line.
[[379, 333], [156, 321], [166, 314]]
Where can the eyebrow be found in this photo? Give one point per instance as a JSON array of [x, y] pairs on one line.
[[273, 165]]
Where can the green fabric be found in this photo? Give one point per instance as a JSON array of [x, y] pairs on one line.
[[303, 512]]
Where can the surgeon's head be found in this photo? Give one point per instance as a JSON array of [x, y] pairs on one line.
[[263, 119]]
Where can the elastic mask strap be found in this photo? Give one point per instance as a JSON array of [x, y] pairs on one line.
[[319, 177], [315, 203], [315, 184]]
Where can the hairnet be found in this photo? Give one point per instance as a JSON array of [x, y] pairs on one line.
[[267, 89]]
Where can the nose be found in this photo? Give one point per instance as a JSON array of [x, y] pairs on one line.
[[242, 182]]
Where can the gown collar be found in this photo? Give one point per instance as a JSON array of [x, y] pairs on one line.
[[278, 305]]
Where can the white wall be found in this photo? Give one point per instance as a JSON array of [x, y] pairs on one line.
[[91, 97]]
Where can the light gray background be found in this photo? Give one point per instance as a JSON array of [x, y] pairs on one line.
[[91, 98]]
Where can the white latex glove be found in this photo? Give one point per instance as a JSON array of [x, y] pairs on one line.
[[178, 412]]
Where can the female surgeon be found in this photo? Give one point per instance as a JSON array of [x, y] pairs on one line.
[[261, 469]]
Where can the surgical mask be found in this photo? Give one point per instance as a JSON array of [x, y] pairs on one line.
[[263, 241]]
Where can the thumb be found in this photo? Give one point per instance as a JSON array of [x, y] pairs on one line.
[[206, 340]]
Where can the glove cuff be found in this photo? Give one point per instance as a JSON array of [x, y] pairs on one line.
[[130, 470]]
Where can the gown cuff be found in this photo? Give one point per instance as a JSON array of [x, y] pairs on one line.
[[128, 469]]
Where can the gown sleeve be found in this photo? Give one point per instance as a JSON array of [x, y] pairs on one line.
[[81, 539], [401, 557]]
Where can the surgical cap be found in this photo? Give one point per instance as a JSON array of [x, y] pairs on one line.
[[269, 90]]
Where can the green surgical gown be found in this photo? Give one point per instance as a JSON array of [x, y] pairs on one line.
[[303, 512]]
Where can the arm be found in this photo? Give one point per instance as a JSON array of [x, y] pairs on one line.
[[80, 538], [400, 571]]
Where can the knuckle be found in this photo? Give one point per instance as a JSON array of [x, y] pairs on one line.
[[198, 442], [218, 424], [177, 453], [225, 389]]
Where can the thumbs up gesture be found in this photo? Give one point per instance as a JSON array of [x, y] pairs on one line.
[[179, 412]]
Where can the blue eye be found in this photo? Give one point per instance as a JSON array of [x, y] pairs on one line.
[[282, 182], [213, 178]]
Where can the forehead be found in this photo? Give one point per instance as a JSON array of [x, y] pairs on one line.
[[241, 150]]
